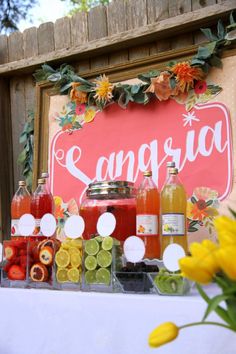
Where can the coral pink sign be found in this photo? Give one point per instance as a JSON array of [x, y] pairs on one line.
[[120, 144]]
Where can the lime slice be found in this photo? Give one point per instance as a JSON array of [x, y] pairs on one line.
[[62, 275], [103, 276], [62, 258], [99, 238], [91, 247], [104, 258], [73, 275], [107, 243], [90, 277], [75, 260], [90, 263]]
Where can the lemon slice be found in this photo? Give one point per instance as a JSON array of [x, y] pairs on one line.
[[77, 243], [62, 275], [75, 260], [72, 250], [65, 245], [73, 275], [91, 247], [103, 276], [90, 277], [107, 243], [104, 258], [62, 258], [90, 263]]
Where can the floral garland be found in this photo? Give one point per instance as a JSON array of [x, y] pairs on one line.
[[182, 81]]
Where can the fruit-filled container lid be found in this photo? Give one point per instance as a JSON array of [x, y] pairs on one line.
[[111, 189]]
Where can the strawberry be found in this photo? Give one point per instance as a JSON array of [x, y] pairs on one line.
[[10, 252], [23, 261], [22, 252], [7, 266], [16, 273]]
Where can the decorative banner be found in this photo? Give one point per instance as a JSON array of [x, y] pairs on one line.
[[121, 144], [146, 137]]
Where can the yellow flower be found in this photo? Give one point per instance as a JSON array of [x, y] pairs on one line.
[[226, 257], [163, 334], [226, 229], [194, 270], [57, 201], [103, 89], [202, 264]]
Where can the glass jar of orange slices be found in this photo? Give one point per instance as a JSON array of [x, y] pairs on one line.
[[68, 264]]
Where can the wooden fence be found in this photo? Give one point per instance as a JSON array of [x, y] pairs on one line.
[[107, 39]]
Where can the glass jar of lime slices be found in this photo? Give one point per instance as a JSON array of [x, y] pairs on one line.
[[116, 197]]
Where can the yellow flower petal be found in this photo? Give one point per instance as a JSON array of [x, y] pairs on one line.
[[226, 229], [226, 257], [57, 200], [163, 334], [194, 270]]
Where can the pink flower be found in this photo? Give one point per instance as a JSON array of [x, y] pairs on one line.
[[80, 109], [200, 87]]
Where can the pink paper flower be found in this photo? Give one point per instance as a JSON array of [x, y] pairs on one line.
[[80, 109]]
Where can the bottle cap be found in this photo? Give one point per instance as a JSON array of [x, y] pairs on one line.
[[170, 164], [173, 171], [22, 184], [147, 173], [44, 175], [41, 181]]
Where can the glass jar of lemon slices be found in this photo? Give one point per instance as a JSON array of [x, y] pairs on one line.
[[68, 265]]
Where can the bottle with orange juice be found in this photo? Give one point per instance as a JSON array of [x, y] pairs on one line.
[[173, 212], [20, 205], [147, 216]]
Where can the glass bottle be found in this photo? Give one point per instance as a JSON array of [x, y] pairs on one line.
[[41, 203], [173, 212], [20, 205], [169, 164], [147, 223]]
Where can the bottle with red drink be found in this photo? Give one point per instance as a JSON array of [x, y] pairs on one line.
[[20, 205], [147, 217], [41, 203]]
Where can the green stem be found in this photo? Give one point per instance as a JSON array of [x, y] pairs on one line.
[[206, 323]]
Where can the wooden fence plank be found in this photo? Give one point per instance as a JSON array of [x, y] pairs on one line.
[[97, 23], [198, 4], [198, 36], [79, 29], [146, 34], [62, 34], [117, 23], [46, 38], [3, 49], [29, 94], [30, 42], [6, 169], [18, 115], [158, 10], [15, 46], [176, 8], [136, 18], [98, 29]]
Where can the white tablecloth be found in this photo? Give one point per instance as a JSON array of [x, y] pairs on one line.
[[62, 322]]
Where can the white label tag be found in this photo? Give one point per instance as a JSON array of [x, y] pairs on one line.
[[173, 224], [146, 225]]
